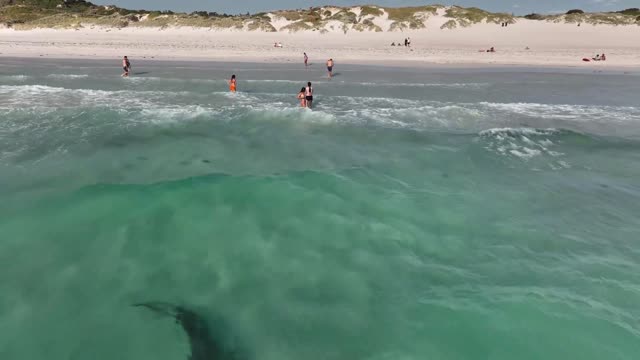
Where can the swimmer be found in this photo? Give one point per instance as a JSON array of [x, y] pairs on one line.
[[330, 67], [302, 98], [232, 83], [306, 59]]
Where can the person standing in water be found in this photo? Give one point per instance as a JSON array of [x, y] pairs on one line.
[[302, 97], [126, 66], [308, 95], [330, 67], [232, 83], [306, 59]]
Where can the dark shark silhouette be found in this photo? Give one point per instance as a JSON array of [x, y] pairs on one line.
[[204, 346]]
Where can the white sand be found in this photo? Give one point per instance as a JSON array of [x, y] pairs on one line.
[[550, 44]]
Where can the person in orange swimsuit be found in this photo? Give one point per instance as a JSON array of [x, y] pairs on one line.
[[232, 83]]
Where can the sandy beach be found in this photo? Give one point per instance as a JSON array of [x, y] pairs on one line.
[[549, 44]]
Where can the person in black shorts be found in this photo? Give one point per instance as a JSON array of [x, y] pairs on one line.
[[126, 66], [330, 67], [308, 94]]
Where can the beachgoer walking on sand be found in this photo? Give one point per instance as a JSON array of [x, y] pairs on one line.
[[302, 97], [232, 83], [330, 67], [126, 66], [306, 60], [406, 42], [308, 95]]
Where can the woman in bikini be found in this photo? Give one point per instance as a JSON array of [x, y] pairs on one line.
[[232, 83], [302, 98]]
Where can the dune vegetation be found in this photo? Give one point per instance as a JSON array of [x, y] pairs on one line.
[[29, 14], [576, 16]]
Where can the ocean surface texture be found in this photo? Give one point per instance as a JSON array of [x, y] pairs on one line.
[[413, 214]]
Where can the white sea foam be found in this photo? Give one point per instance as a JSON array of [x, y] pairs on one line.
[[437, 85], [68, 76], [164, 115], [513, 132], [568, 112], [19, 78], [524, 144]]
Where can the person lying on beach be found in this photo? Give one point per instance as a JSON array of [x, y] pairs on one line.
[[126, 66], [232, 83], [302, 98], [491, 50], [597, 57]]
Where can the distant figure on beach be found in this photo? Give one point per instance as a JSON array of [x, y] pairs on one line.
[[597, 57], [306, 59], [491, 50], [277, 44], [603, 57], [393, 44], [232, 83], [308, 95], [409, 42], [126, 66], [330, 67], [302, 97], [406, 42]]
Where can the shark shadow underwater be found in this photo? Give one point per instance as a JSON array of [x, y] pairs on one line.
[[204, 344]]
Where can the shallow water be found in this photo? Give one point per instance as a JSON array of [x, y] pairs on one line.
[[413, 214]]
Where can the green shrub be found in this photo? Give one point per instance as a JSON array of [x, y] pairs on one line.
[[451, 24], [370, 10], [345, 16], [575, 11], [367, 25], [408, 13], [290, 15], [534, 16], [261, 25], [630, 11], [297, 26]]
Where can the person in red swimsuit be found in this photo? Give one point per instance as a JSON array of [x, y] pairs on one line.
[[232, 83]]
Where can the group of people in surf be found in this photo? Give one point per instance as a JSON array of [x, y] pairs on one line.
[[306, 93]]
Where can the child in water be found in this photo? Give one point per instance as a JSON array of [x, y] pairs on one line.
[[232, 83], [302, 98]]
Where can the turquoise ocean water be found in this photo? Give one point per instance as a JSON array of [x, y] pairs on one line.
[[413, 214]]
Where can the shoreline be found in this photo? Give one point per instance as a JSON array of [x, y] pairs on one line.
[[523, 45], [381, 64]]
